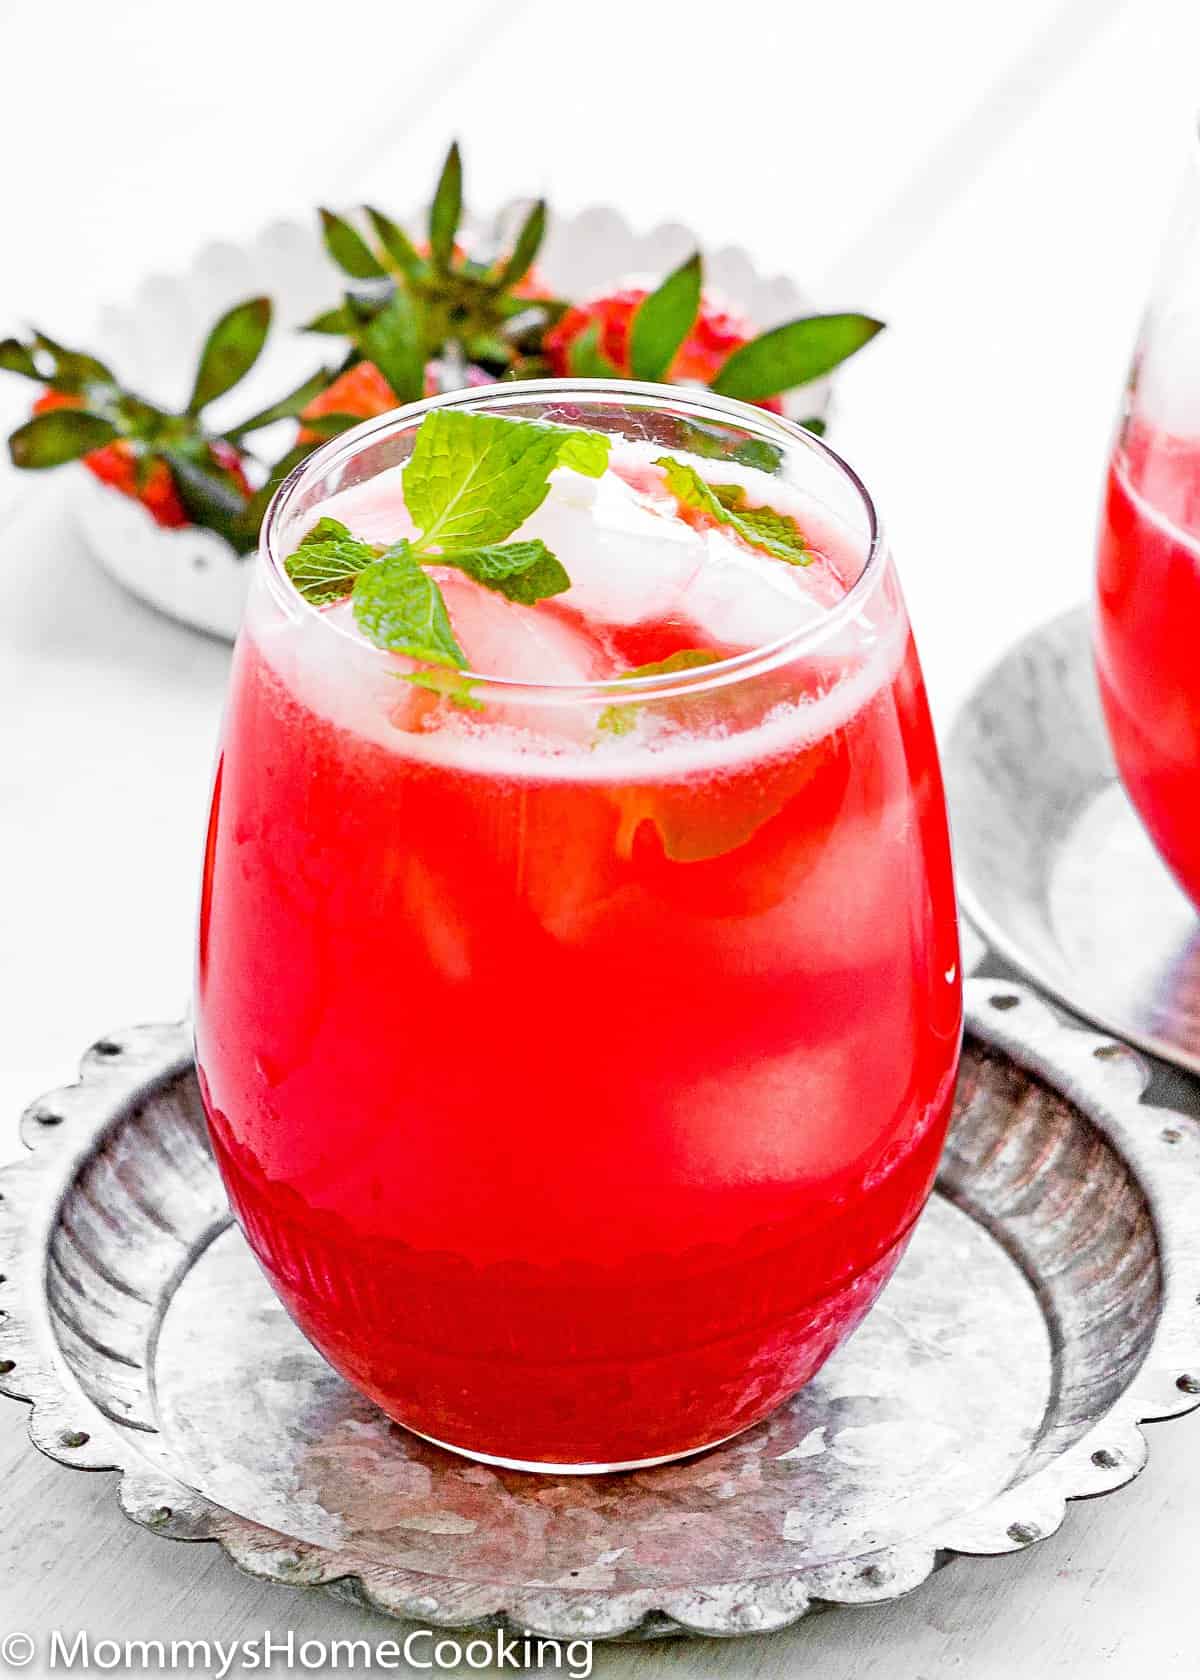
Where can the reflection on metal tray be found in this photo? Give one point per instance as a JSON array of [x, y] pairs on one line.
[[1046, 1305]]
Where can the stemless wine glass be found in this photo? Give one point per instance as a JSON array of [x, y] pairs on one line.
[[579, 1062], [1148, 576]]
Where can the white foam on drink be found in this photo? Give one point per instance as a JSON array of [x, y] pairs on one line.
[[630, 561]]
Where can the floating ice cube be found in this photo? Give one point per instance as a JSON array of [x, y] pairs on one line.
[[524, 644], [628, 562], [743, 600]]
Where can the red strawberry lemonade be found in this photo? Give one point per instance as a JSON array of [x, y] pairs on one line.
[[578, 1049], [1148, 608]]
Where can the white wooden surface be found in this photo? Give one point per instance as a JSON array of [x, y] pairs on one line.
[[991, 177]]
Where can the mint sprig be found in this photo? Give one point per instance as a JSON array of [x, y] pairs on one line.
[[620, 720], [777, 534], [471, 481]]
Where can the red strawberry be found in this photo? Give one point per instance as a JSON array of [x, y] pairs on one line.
[[147, 478], [363, 392], [718, 332]]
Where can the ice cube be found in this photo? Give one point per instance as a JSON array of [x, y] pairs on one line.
[[525, 644], [628, 561], [742, 600]]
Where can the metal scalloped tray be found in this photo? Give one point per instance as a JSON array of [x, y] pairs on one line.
[[1047, 1306]]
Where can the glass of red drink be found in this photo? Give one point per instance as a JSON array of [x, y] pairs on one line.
[[1148, 576], [578, 1048]]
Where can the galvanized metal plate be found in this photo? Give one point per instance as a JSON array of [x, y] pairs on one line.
[[1047, 1304], [1054, 866]]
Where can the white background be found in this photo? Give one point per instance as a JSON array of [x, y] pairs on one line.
[[990, 177]]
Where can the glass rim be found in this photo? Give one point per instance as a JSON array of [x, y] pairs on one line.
[[702, 404]]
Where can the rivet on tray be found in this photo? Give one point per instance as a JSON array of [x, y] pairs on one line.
[[1188, 1384], [161, 1515], [586, 1613], [1110, 1052], [1105, 1460], [1024, 1533], [873, 1575], [74, 1438], [426, 1604], [106, 1047], [7, 1365], [1171, 1134], [1004, 1000], [47, 1117]]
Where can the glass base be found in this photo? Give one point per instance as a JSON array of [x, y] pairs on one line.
[[538, 1468]]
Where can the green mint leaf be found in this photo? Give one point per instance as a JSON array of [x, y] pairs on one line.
[[586, 359], [230, 351], [61, 434], [349, 249], [526, 572], [585, 452], [663, 320], [393, 340], [452, 685], [398, 606], [763, 527], [338, 323], [16, 357], [793, 355], [815, 425], [621, 720], [287, 408], [525, 248], [446, 210], [328, 562], [396, 243], [472, 479]]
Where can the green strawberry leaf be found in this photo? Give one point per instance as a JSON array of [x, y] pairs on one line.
[[525, 248], [349, 249], [328, 561], [338, 323], [793, 355], [16, 357], [210, 496], [230, 351], [663, 320], [472, 479], [252, 514], [61, 434], [393, 340], [777, 534], [325, 426], [398, 606], [287, 408], [446, 210], [585, 358], [73, 369], [396, 243], [526, 572]]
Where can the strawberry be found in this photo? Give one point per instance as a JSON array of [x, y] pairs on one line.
[[362, 392], [715, 335], [146, 478]]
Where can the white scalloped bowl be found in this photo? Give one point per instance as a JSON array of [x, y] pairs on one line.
[[153, 341]]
